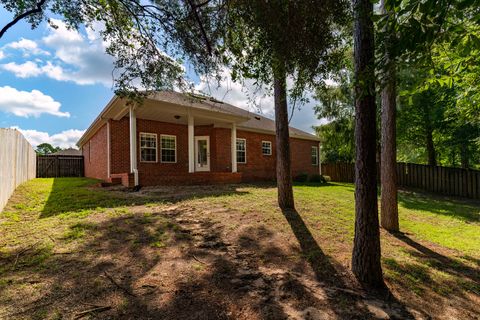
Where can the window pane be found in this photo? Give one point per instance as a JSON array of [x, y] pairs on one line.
[[168, 155], [241, 157], [168, 143], [241, 151], [168, 149], [148, 155], [266, 147], [148, 147], [314, 155]]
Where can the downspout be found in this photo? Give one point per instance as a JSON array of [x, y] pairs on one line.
[[108, 150], [133, 144], [319, 159]]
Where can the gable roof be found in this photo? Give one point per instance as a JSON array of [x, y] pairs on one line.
[[255, 121], [68, 152], [246, 120]]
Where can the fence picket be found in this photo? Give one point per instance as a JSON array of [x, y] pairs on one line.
[[56, 166], [444, 180]]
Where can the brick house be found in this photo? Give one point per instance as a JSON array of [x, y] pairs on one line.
[[174, 138]]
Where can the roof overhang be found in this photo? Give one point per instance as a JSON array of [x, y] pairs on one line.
[[291, 134], [152, 109]]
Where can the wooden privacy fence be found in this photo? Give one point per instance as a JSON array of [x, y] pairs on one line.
[[444, 180], [56, 166], [17, 162]]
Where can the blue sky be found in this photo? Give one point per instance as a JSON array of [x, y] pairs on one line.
[[54, 82]]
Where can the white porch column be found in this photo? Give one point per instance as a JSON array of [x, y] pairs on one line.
[[191, 144], [319, 161], [108, 149], [234, 147], [133, 144]]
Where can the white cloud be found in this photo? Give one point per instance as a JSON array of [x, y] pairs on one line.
[[2, 55], [64, 139], [27, 47], [74, 57], [25, 104], [24, 70], [249, 97]]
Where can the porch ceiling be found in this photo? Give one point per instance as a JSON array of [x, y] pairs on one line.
[[167, 112]]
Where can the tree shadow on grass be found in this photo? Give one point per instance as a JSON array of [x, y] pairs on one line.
[[73, 195], [141, 266], [332, 274], [440, 262], [468, 211]]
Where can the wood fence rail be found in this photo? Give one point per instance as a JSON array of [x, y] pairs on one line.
[[56, 166], [443, 180]]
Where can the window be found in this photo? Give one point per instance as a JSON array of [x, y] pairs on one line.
[[168, 148], [267, 148], [241, 151], [314, 155], [148, 147]]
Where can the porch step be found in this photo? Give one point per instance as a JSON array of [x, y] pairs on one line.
[[111, 182]]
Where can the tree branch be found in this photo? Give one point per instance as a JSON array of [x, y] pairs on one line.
[[202, 29], [38, 8]]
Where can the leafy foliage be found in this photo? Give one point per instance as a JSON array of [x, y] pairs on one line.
[[46, 148], [304, 37]]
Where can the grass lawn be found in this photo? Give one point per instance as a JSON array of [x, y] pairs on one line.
[[70, 249]]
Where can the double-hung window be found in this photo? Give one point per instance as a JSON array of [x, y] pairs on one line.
[[241, 151], [168, 147], [148, 147], [267, 148], [314, 155]]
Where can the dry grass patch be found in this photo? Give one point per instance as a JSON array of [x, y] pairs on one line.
[[226, 252]]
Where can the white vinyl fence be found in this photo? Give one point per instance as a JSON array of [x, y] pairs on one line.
[[17, 162]]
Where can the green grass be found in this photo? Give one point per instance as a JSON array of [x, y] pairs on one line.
[[60, 213], [453, 224], [449, 223]]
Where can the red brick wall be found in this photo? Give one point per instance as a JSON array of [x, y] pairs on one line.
[[119, 146], [261, 167], [180, 131], [300, 151], [223, 153], [95, 155], [258, 166]]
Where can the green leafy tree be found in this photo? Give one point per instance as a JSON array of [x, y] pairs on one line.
[[270, 41], [336, 105], [142, 37], [46, 148]]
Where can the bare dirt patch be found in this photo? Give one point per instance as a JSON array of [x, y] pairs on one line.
[[198, 253]]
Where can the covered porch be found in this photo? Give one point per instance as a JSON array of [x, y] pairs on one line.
[[206, 130]]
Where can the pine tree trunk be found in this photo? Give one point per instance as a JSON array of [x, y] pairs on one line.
[[464, 156], [431, 154], [388, 171], [432, 157], [366, 248], [284, 175]]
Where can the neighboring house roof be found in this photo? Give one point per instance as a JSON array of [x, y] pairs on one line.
[[246, 120], [68, 152]]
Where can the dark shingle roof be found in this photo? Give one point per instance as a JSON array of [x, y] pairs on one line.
[[255, 121], [68, 152]]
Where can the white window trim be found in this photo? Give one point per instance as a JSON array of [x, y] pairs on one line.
[[245, 150], [140, 146], [316, 157], [170, 136], [270, 143]]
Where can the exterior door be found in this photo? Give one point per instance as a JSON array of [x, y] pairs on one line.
[[202, 153]]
